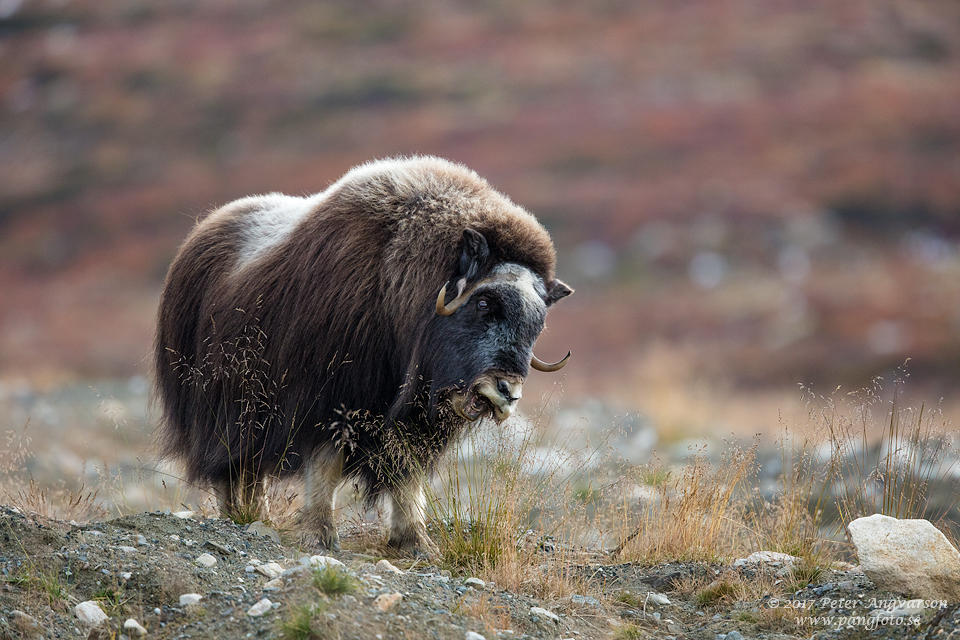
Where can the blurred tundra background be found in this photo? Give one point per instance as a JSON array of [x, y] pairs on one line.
[[748, 196]]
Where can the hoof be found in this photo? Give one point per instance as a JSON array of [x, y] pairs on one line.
[[420, 549], [323, 541], [322, 534]]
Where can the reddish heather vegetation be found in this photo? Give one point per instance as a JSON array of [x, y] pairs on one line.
[[768, 192]]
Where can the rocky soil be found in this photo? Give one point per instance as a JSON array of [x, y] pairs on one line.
[[137, 568]]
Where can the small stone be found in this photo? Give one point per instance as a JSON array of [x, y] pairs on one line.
[[24, 619], [260, 529], [188, 599], [585, 601], [260, 608], [270, 569], [90, 613], [473, 635], [294, 571], [658, 598], [184, 515], [206, 560], [385, 566], [132, 627], [276, 583], [221, 548], [322, 561], [126, 549], [142, 541], [476, 583], [385, 601], [734, 635], [543, 613]]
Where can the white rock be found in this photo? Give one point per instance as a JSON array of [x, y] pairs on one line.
[[187, 599], [127, 549], [543, 613], [476, 583], [473, 635], [270, 569], [184, 515], [133, 627], [276, 583], [758, 557], [206, 560], [385, 566], [322, 561], [907, 556], [260, 608], [658, 598], [90, 613]]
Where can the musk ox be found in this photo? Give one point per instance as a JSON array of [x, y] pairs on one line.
[[349, 335]]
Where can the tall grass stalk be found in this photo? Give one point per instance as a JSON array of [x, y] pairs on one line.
[[505, 495], [905, 467]]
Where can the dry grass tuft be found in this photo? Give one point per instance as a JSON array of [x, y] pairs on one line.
[[49, 502], [695, 513]]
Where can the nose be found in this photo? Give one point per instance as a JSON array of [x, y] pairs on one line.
[[510, 391]]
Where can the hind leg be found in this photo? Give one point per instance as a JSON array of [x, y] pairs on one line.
[[322, 476]]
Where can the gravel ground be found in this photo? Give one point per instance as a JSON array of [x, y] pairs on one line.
[[138, 567]]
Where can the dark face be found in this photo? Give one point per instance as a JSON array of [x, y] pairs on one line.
[[485, 347], [478, 348]]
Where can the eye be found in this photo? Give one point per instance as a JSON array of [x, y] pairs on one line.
[[482, 304]]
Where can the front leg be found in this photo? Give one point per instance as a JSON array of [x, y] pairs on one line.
[[408, 531], [323, 475]]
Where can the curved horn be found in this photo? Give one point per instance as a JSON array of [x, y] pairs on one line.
[[447, 310], [540, 365]]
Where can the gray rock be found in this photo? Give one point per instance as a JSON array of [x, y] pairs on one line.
[[543, 613], [260, 529], [585, 601], [25, 619], [907, 556]]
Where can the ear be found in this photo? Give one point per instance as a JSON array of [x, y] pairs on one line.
[[472, 256], [557, 290]]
